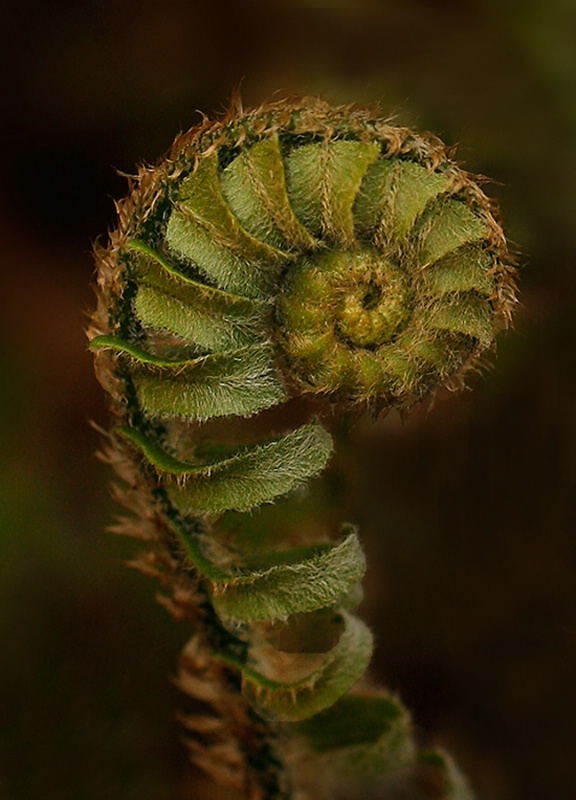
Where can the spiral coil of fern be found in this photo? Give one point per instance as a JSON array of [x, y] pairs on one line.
[[293, 251]]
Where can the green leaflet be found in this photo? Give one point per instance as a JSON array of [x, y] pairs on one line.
[[257, 474], [254, 186], [189, 240], [207, 317], [394, 194], [361, 736], [307, 584], [373, 196], [323, 181], [451, 225], [433, 348], [364, 737], [463, 313], [203, 230], [304, 579], [414, 187], [201, 199], [462, 270], [240, 382], [341, 667]]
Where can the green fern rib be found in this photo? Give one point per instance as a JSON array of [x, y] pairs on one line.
[[293, 253]]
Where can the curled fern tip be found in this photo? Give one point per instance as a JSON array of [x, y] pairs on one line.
[[295, 251]]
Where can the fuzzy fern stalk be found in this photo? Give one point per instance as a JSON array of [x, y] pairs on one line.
[[280, 267]]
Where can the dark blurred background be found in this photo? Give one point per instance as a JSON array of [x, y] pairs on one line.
[[466, 509]]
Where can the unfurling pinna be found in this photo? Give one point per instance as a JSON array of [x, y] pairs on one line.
[[279, 267]]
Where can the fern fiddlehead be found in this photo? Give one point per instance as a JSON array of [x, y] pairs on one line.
[[279, 264]]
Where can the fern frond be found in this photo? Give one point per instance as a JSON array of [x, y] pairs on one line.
[[293, 256]]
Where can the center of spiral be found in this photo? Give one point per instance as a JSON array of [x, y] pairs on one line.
[[336, 305], [375, 305], [367, 295]]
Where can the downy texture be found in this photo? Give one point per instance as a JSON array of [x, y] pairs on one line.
[[279, 264]]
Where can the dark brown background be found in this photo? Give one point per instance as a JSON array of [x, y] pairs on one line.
[[466, 511]]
